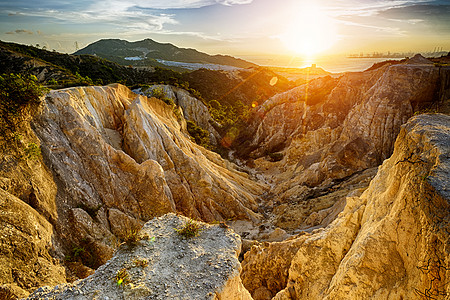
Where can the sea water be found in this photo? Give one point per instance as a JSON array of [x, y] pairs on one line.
[[334, 64]]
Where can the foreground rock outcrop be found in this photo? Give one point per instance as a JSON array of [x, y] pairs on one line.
[[392, 242], [165, 265]]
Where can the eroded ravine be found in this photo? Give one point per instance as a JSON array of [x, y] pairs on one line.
[[117, 159]]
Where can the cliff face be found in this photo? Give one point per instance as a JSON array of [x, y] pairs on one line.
[[112, 160], [331, 128], [162, 264], [389, 243], [120, 159]]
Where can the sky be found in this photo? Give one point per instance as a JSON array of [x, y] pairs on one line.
[[235, 27]]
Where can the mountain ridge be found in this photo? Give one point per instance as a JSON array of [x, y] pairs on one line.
[[118, 50]]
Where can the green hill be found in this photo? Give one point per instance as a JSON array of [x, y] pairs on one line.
[[62, 70], [148, 51]]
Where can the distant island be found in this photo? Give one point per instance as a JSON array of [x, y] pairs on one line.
[[437, 52]]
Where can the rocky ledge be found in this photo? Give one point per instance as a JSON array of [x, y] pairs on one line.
[[163, 264]]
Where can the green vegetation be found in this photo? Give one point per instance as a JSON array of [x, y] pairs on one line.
[[83, 80], [189, 229], [52, 81], [132, 237], [19, 96], [122, 277], [117, 50], [32, 151], [227, 115], [160, 94], [84, 252], [77, 252], [228, 96], [63, 68], [141, 262], [199, 135]]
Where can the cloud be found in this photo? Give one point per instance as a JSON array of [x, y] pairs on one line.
[[132, 16], [367, 7], [391, 18], [20, 31], [15, 7], [185, 4], [118, 17], [417, 11], [233, 2]]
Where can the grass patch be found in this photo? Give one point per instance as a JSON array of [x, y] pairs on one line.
[[19, 97], [32, 151], [141, 262], [189, 229], [122, 277], [132, 237]]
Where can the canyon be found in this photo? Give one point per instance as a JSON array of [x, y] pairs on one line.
[[335, 188]]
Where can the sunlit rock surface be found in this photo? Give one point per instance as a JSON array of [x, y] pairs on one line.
[[119, 159], [112, 160], [193, 109], [331, 128], [389, 243]]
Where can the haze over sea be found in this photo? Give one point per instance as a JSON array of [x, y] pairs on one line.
[[334, 64]]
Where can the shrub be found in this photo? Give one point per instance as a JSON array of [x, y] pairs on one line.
[[77, 251], [200, 135], [32, 151], [19, 95], [85, 252], [52, 81], [160, 94], [189, 229], [132, 237], [122, 277], [83, 80]]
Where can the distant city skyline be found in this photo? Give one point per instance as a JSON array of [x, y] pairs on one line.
[[235, 27]]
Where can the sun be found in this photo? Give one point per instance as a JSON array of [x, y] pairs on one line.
[[310, 31]]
